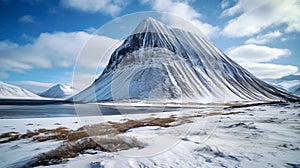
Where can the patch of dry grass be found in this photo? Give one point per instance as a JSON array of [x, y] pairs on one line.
[[9, 136], [110, 128], [162, 122], [60, 133], [74, 148], [13, 136]]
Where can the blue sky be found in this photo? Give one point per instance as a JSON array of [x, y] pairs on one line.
[[41, 39]]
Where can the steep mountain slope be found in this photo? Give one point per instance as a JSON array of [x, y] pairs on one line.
[[160, 63], [59, 91], [8, 91]]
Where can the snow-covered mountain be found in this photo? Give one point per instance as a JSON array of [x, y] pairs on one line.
[[297, 90], [289, 78], [59, 91], [157, 62], [8, 91], [290, 83]]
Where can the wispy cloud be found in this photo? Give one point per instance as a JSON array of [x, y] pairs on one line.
[[111, 7], [255, 59], [224, 4], [236, 9], [267, 70], [35, 83], [34, 86], [90, 30], [27, 19], [263, 39], [252, 17], [26, 37]]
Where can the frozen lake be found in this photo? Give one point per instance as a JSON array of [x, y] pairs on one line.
[[71, 110], [37, 111]]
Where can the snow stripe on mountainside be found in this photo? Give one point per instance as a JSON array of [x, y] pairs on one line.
[[59, 91], [8, 91], [160, 63]]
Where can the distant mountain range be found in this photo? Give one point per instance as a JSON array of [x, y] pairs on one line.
[[290, 83], [161, 63], [62, 91], [8, 91]]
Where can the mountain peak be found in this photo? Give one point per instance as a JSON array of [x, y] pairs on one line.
[[150, 25], [150, 19], [59, 91]]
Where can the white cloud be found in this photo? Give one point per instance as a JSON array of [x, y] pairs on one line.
[[257, 15], [266, 70], [59, 49], [111, 7], [34, 86], [224, 4], [254, 58], [263, 39], [35, 83], [26, 37], [27, 19], [185, 11], [81, 80], [96, 52], [237, 8], [94, 55], [254, 53], [91, 30]]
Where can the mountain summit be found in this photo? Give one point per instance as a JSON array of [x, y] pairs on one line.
[[157, 62], [58, 91]]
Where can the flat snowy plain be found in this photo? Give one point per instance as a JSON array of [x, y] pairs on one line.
[[255, 136]]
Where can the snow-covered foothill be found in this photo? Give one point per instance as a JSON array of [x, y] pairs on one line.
[[8, 91], [59, 91]]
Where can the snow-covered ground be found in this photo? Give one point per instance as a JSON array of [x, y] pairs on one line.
[[261, 136]]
